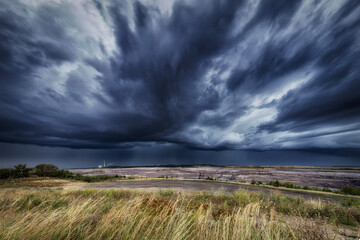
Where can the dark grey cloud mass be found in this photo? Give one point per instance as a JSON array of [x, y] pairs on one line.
[[210, 75]]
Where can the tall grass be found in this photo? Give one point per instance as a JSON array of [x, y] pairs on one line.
[[121, 214]]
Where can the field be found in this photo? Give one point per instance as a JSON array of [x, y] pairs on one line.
[[330, 177], [48, 208], [212, 186]]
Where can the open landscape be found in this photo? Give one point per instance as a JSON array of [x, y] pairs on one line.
[[138, 206], [180, 120], [329, 177]]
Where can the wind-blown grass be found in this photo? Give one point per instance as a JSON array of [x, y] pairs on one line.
[[121, 214]]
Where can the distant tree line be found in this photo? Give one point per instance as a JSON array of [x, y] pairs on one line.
[[50, 170]]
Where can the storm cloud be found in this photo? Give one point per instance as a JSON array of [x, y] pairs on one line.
[[210, 75]]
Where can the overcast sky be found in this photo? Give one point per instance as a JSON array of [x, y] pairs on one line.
[[205, 75]]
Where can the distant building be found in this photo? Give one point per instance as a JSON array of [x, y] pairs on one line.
[[100, 166]]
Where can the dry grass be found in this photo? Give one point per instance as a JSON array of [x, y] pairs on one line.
[[123, 214], [34, 182]]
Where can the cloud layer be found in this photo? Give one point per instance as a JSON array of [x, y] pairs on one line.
[[216, 75]]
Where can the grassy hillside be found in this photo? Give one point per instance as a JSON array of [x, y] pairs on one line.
[[122, 214]]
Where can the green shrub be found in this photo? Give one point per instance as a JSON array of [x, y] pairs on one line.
[[5, 173], [20, 171], [274, 183], [288, 185], [46, 170], [62, 174], [97, 178], [350, 190]]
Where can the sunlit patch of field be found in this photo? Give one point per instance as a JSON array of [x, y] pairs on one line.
[[34, 182], [28, 213]]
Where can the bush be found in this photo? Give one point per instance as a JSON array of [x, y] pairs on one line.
[[274, 183], [20, 171], [46, 170], [5, 173], [49, 170], [288, 185], [97, 178], [63, 174], [350, 190]]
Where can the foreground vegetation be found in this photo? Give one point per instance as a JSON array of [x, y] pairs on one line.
[[123, 214]]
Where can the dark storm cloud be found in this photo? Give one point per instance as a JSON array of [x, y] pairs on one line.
[[168, 60], [331, 97], [220, 75]]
